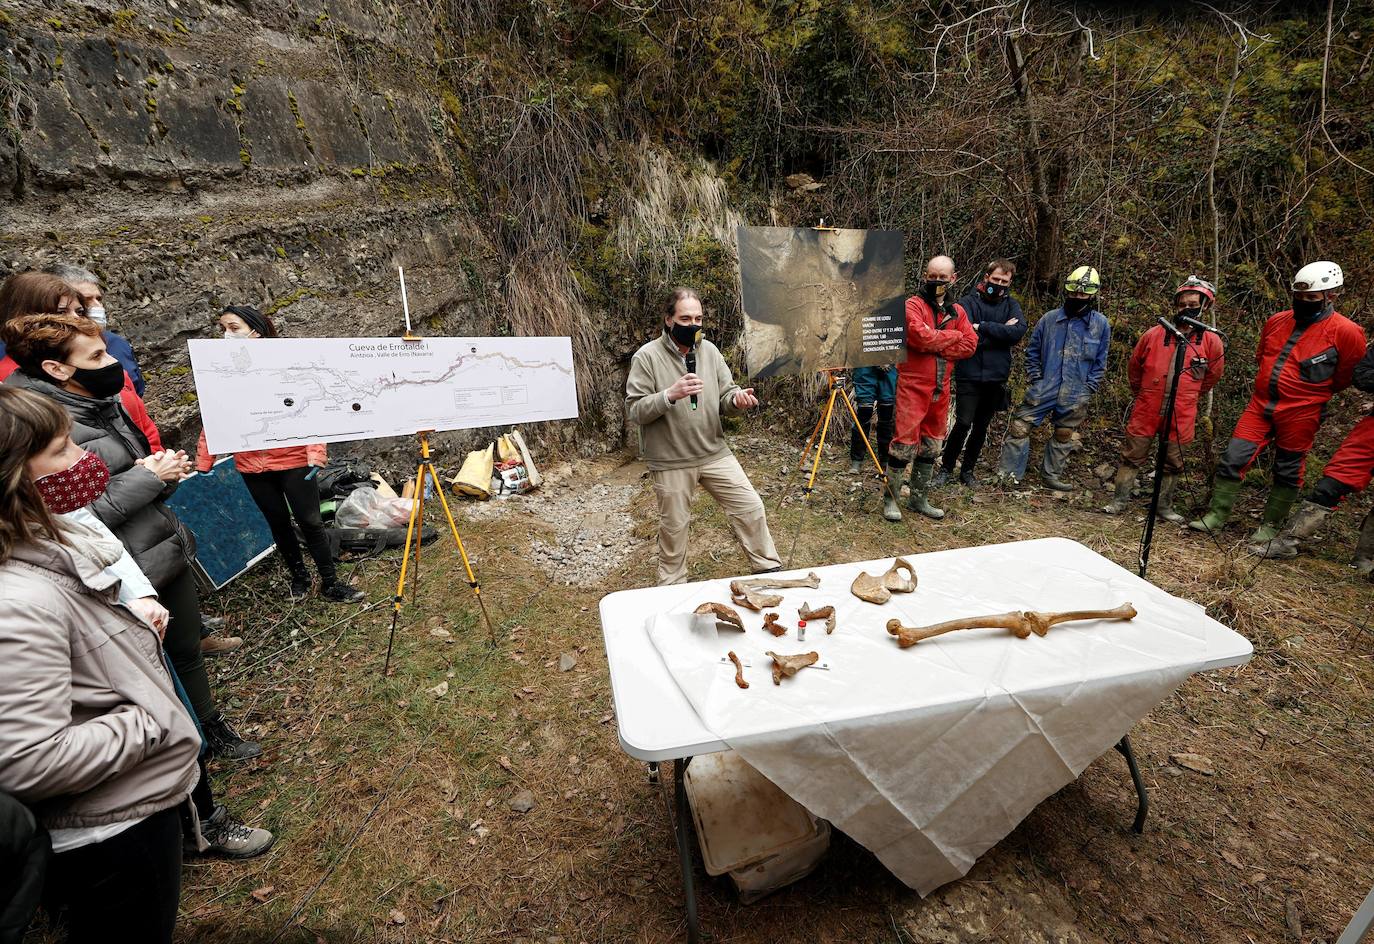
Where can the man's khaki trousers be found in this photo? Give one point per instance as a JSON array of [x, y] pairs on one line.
[[725, 481]]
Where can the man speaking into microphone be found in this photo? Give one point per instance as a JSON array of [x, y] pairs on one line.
[[678, 388]]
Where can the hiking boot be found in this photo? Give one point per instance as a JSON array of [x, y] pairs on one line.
[[1224, 495], [940, 477], [219, 645], [920, 484], [1305, 524], [1121, 494], [1276, 509], [300, 582], [1055, 483], [225, 743], [855, 466], [337, 591], [231, 839], [891, 510], [968, 479], [1166, 501]]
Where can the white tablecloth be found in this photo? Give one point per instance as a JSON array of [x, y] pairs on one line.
[[930, 755]]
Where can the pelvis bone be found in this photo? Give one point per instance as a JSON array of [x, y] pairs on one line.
[[828, 612], [723, 614], [880, 589], [1021, 622], [746, 592], [788, 666]]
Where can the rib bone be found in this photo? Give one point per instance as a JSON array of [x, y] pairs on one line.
[[722, 613], [1020, 622], [788, 666], [739, 670], [808, 614]]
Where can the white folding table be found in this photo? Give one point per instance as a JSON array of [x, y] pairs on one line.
[[656, 721]]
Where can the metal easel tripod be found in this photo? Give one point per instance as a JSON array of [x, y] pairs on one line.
[[424, 471], [836, 380]]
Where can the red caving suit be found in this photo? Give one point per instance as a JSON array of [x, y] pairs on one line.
[[1150, 372], [923, 379], [1300, 369]]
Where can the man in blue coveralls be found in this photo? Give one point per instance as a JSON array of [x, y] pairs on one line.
[[1066, 360], [874, 387]]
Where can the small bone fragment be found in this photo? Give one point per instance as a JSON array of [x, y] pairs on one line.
[[722, 613], [739, 670], [753, 599], [893, 581], [1021, 622], [770, 625], [870, 589], [788, 666], [828, 612]]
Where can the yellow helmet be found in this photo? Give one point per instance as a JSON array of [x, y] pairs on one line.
[[1083, 279]]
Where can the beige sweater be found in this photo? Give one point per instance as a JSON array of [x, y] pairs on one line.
[[673, 435]]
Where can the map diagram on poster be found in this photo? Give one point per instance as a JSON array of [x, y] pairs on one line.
[[270, 392]]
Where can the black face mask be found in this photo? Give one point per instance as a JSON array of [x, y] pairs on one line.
[[686, 335], [1305, 312], [102, 382], [993, 292], [1073, 307], [931, 290], [1194, 313]]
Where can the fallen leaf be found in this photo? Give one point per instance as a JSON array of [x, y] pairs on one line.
[[1196, 762], [582, 895], [505, 763], [567, 662], [439, 691], [396, 917], [606, 718], [264, 893], [522, 802], [440, 633], [1232, 859]]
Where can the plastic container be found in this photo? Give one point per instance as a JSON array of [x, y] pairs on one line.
[[750, 829]]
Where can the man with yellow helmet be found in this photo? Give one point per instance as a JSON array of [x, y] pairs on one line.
[[1066, 360]]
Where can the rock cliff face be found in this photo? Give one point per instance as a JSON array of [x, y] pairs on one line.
[[289, 155]]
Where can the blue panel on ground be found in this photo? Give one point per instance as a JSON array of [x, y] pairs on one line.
[[231, 534]]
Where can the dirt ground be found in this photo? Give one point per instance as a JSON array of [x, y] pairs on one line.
[[391, 796]]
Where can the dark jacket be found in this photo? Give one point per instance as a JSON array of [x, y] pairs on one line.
[[133, 506], [991, 363], [24, 855]]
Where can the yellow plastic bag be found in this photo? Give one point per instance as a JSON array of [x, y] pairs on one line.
[[474, 478], [505, 449]]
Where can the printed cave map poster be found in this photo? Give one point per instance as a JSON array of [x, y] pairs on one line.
[[820, 298]]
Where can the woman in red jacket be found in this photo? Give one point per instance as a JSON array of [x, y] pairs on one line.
[[282, 483]]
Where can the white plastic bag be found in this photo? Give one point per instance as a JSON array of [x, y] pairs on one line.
[[366, 508]]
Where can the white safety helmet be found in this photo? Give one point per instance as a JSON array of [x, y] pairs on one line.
[[1318, 277]]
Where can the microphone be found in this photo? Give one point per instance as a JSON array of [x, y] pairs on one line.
[[692, 362], [1170, 329], [1201, 326]]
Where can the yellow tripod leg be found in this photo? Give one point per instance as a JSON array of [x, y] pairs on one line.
[[401, 581], [887, 485], [815, 467], [462, 552]]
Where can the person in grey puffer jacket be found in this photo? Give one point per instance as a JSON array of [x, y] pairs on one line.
[[63, 358]]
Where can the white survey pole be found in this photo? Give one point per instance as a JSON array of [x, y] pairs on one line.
[[405, 305]]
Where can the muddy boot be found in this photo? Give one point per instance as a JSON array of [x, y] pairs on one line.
[[1304, 524], [1224, 495], [1121, 490], [1166, 501], [1052, 470], [855, 466], [941, 477], [920, 484], [891, 510], [1276, 509], [1364, 551]]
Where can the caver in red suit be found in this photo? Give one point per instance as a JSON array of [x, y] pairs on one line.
[[1150, 373], [1306, 355], [923, 379]]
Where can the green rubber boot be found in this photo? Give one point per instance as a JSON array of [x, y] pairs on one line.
[[1276, 509], [890, 489], [920, 483], [1224, 495]]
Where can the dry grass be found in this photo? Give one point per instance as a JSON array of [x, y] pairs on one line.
[[382, 782]]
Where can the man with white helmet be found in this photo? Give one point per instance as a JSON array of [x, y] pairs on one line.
[[1306, 355], [1151, 373], [1066, 360]]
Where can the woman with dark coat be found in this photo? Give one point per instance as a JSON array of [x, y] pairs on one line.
[[63, 358]]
